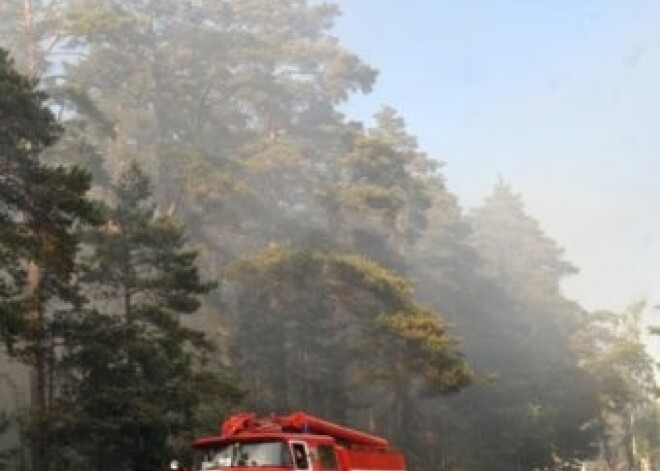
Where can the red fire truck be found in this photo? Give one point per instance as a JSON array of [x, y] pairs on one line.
[[298, 442]]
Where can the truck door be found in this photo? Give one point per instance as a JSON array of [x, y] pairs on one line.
[[300, 456]]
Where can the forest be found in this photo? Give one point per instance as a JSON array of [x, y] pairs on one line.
[[191, 227]]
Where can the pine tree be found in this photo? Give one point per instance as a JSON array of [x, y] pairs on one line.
[[613, 354], [198, 102], [42, 207], [339, 334], [34, 33], [383, 191], [528, 344], [134, 372]]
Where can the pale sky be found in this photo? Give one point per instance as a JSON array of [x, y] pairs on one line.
[[559, 97]]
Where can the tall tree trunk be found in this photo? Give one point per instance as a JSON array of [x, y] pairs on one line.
[[31, 52], [36, 316], [38, 372]]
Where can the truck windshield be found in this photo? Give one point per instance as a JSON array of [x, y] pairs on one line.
[[243, 454]]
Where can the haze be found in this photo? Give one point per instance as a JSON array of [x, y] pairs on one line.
[[431, 221], [558, 98]]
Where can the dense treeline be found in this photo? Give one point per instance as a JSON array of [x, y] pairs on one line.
[[190, 226]]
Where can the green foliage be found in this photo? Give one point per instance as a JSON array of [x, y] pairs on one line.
[[613, 354], [421, 346], [312, 328], [537, 368], [220, 111], [384, 190], [497, 282], [40, 205], [42, 208], [136, 376], [612, 350], [32, 127]]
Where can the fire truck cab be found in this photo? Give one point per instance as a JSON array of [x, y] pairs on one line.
[[299, 442]]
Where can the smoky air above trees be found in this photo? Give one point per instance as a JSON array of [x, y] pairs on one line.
[[189, 227]]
